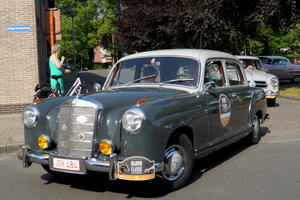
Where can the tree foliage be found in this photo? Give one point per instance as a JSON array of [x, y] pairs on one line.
[[226, 25], [249, 26], [90, 25]]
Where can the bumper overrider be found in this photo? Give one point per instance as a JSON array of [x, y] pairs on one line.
[[133, 168], [271, 95]]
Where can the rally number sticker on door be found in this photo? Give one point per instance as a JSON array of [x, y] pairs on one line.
[[225, 109]]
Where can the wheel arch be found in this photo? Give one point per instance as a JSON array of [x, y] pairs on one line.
[[183, 130]]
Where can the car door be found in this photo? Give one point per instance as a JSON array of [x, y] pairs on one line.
[[240, 95], [281, 68], [270, 66], [220, 102]]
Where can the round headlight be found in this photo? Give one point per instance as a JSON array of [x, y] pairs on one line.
[[133, 120], [274, 81], [30, 116]]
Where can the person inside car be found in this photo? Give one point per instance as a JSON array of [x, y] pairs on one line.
[[248, 64], [148, 71]]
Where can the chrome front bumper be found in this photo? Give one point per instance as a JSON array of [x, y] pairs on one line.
[[90, 165], [271, 95]]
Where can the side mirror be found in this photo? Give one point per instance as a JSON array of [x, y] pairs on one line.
[[97, 86], [208, 85]]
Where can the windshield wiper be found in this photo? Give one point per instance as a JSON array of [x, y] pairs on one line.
[[178, 80], [142, 78]]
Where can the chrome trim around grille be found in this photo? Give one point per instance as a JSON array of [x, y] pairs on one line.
[[77, 126]]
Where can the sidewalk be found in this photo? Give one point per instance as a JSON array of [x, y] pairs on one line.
[[11, 126], [11, 133]]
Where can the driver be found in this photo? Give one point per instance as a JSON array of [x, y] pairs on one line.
[[148, 71], [193, 71]]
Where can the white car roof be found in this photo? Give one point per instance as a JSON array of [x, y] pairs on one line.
[[196, 53], [273, 57], [247, 57]]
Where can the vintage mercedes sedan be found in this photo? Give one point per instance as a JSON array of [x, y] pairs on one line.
[[256, 72], [155, 114]]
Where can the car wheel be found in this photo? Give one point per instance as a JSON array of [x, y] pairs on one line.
[[178, 163], [255, 135], [295, 79], [271, 102]]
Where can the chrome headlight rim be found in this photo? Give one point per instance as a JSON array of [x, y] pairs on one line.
[[30, 117], [133, 126], [274, 82]]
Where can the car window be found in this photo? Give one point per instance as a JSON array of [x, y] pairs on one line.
[[249, 64], [266, 61], [279, 62], [258, 65], [167, 70], [234, 74], [214, 72]]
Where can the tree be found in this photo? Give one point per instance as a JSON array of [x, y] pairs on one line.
[[90, 25], [295, 40], [226, 25]]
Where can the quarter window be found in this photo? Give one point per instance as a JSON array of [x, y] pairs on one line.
[[234, 74], [214, 72]]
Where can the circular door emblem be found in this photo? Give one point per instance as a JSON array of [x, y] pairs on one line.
[[81, 136], [225, 109]]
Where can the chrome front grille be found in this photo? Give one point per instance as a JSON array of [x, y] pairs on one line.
[[76, 128]]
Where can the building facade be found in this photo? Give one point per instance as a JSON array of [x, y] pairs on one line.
[[23, 52]]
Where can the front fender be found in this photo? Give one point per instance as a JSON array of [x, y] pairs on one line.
[[258, 105]]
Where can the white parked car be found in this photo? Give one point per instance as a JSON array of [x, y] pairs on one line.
[[256, 72]]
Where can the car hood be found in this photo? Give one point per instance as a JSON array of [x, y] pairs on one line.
[[256, 75], [129, 96]]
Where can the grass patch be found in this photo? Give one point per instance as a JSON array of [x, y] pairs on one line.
[[293, 91]]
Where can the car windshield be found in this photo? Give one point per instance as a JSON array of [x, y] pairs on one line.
[[252, 64], [156, 70]]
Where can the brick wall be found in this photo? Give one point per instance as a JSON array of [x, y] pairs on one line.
[[22, 53]]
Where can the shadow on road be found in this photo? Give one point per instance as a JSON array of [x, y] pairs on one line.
[[99, 182]]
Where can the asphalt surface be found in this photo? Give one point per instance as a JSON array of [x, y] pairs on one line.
[[11, 126]]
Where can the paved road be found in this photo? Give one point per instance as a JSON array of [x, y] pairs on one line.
[[284, 123], [269, 170]]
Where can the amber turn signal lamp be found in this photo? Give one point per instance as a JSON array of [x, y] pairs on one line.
[[106, 147], [43, 141], [38, 100], [140, 101]]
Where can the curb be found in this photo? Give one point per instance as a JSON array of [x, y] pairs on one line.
[[10, 148], [289, 97]]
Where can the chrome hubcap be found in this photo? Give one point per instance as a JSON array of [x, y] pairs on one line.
[[174, 162], [255, 127]]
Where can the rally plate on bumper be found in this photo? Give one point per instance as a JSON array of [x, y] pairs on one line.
[[135, 168]]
